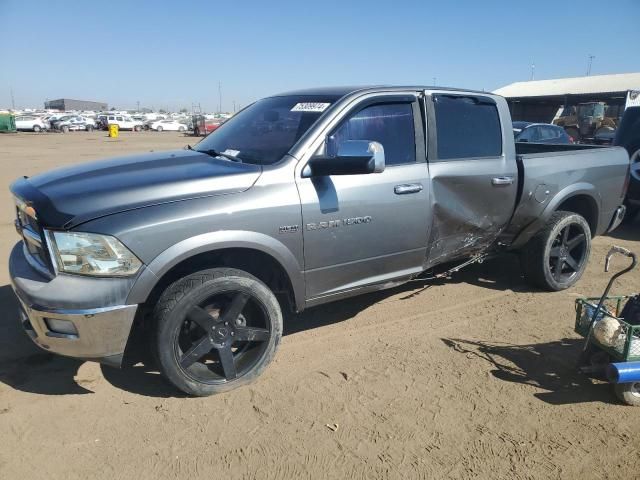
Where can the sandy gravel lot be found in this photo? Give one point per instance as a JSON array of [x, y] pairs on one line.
[[472, 377]]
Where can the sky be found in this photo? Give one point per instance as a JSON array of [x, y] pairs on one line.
[[172, 54]]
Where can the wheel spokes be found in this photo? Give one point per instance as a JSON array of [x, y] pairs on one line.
[[251, 334], [196, 352], [557, 273], [202, 318], [575, 241], [569, 260], [565, 234], [234, 310], [227, 362]]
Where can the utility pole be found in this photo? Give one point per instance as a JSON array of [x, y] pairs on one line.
[[219, 97], [591, 57], [13, 101], [138, 103], [234, 106], [533, 71], [434, 81]]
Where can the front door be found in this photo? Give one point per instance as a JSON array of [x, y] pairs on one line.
[[371, 228], [474, 177]]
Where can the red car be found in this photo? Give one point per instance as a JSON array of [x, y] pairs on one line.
[[203, 126]]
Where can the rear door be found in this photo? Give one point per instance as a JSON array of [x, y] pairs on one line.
[[473, 173]]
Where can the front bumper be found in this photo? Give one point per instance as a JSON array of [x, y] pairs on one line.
[[74, 316]]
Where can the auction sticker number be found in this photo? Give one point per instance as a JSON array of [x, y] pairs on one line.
[[310, 107]]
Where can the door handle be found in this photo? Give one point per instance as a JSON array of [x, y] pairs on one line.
[[498, 181], [407, 188]]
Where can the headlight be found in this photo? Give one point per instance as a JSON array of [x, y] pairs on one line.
[[92, 254]]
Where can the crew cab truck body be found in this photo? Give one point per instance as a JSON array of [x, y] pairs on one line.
[[300, 199]]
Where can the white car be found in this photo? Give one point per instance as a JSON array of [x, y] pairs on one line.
[[124, 122], [31, 123], [172, 125], [75, 123]]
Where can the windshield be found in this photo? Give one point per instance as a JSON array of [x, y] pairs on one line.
[[265, 131]]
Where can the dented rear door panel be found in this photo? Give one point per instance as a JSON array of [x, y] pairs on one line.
[[472, 198]]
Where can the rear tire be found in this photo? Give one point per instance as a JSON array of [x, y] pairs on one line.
[[137, 128], [159, 129], [65, 129], [556, 257], [628, 393], [182, 129], [216, 330]]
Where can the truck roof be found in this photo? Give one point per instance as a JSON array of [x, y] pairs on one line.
[[341, 91]]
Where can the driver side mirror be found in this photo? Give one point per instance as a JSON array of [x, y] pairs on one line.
[[353, 157]]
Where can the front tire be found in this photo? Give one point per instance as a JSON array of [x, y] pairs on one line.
[[182, 129], [159, 129], [556, 257], [216, 330], [137, 128], [65, 129], [36, 128]]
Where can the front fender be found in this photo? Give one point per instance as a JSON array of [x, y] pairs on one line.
[[563, 195], [212, 241]]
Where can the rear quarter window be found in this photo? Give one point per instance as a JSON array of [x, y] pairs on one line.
[[467, 127]]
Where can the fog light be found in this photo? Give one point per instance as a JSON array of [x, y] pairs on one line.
[[61, 326]]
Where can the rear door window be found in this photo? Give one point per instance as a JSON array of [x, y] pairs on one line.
[[467, 127]]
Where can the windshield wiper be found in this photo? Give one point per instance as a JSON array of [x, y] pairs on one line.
[[215, 153]]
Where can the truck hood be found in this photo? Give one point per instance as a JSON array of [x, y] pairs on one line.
[[67, 197]]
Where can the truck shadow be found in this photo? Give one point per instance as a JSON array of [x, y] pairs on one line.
[[25, 367], [628, 231], [550, 366]]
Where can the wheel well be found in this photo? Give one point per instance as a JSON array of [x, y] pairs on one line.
[[259, 264], [585, 206]]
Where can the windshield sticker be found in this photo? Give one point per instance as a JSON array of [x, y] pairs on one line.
[[233, 153], [310, 107]]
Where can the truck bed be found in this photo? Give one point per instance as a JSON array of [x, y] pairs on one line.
[[549, 175]]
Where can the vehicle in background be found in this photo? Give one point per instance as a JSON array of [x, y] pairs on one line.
[[204, 126], [606, 137], [212, 242], [75, 123], [31, 123], [124, 122], [540, 133], [585, 121], [628, 136], [169, 125]]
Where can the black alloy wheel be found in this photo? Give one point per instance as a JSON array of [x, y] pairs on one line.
[[215, 344], [567, 254], [216, 330]]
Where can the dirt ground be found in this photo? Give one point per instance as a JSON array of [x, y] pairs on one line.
[[471, 377]]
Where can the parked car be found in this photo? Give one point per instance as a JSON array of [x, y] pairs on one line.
[[628, 137], [125, 122], [171, 125], [31, 123], [73, 123], [539, 133], [204, 246], [204, 126]]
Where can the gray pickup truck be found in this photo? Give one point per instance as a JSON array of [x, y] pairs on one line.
[[300, 199]]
